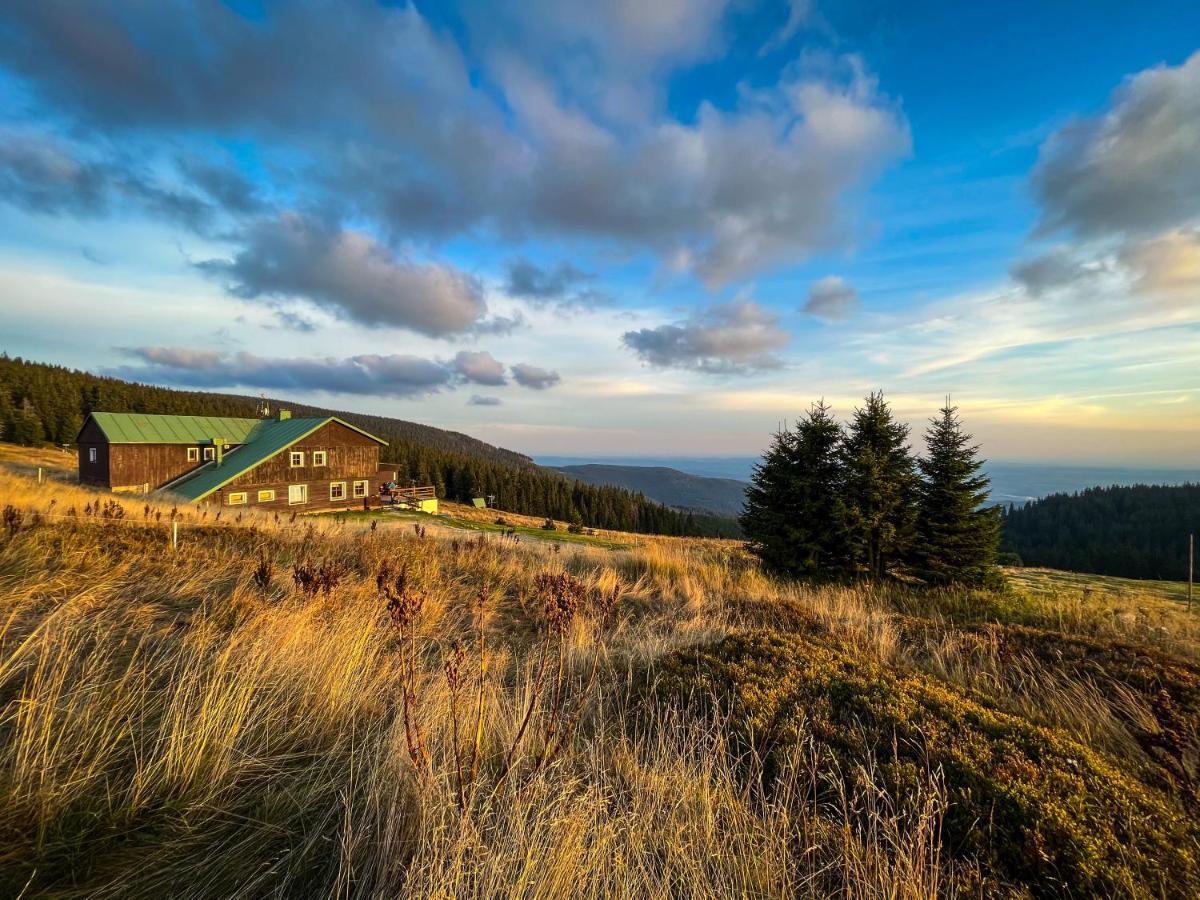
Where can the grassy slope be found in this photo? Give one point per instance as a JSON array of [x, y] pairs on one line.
[[168, 727], [456, 517], [1051, 580]]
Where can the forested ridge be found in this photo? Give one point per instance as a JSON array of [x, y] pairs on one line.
[[1133, 532], [48, 403], [679, 490]]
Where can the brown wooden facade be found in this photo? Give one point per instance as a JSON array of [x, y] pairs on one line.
[[94, 456], [350, 457], [136, 468]]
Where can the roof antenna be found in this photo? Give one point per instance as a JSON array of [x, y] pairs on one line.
[[264, 408]]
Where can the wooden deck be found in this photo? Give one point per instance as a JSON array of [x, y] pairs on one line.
[[408, 495]]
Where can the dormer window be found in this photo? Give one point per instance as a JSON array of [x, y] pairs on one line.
[[297, 459]]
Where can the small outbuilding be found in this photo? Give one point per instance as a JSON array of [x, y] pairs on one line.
[[281, 462]]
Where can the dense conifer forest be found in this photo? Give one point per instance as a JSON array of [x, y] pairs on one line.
[[45, 403], [1133, 532]]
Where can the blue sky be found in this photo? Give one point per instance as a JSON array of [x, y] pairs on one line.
[[621, 228]]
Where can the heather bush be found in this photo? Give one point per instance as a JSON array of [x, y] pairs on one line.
[[1035, 809]]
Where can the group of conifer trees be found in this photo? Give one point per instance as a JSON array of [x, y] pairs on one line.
[[828, 501]]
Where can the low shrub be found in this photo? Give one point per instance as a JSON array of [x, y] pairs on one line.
[[1169, 685], [1033, 808]]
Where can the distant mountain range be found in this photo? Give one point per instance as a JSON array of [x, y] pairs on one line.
[[1012, 482], [671, 487]]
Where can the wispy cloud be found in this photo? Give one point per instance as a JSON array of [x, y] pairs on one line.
[[1135, 169], [734, 338], [395, 375], [535, 377], [832, 299], [563, 285], [351, 275], [479, 367]]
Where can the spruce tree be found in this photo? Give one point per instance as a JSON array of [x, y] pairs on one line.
[[792, 506], [957, 536], [766, 516], [878, 490]]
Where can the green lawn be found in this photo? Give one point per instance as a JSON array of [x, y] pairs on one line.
[[1045, 581], [526, 532]]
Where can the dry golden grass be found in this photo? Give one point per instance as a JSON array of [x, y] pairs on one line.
[[171, 726]]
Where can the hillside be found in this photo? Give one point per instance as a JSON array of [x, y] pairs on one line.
[[720, 496], [41, 402], [1139, 531], [60, 399], [344, 706]]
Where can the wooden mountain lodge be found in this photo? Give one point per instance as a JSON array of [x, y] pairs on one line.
[[280, 463]]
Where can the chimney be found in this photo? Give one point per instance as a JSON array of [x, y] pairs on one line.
[[219, 443], [284, 415]]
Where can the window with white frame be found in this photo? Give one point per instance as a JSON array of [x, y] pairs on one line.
[[337, 490], [92, 454], [318, 457], [193, 454], [360, 489], [297, 459], [266, 496], [297, 493], [210, 453], [237, 498]]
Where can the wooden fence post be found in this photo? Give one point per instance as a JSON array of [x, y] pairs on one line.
[[1191, 564], [174, 535], [39, 474]]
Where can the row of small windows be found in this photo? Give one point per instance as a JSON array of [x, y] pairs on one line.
[[298, 493], [319, 458]]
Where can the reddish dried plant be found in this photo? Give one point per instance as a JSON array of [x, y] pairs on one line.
[[263, 573], [453, 667], [315, 580], [13, 519], [562, 720], [404, 605], [561, 595], [482, 606]]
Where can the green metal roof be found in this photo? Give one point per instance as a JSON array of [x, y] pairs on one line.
[[136, 428], [267, 438]]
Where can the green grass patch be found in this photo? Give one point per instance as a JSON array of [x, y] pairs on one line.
[[1050, 581], [406, 516]]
